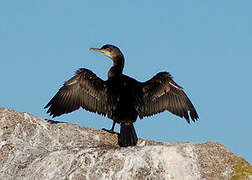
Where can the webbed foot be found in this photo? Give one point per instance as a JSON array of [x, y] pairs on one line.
[[112, 129]]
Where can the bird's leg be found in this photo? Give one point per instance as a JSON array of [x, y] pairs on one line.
[[112, 129], [113, 126]]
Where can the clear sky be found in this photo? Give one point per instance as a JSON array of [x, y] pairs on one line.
[[205, 45]]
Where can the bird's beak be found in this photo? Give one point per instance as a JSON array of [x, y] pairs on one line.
[[100, 50]]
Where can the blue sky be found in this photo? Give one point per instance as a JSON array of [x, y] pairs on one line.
[[205, 45]]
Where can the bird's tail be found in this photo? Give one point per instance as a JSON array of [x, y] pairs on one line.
[[127, 135]]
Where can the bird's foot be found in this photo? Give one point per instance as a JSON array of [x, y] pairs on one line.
[[110, 131]]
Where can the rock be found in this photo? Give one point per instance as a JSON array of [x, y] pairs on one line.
[[35, 148]]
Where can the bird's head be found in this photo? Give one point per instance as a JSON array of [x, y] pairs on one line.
[[109, 50]]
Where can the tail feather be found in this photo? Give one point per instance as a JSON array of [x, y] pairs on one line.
[[127, 135]]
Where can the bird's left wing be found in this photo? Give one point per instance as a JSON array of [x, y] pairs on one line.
[[161, 93], [85, 90]]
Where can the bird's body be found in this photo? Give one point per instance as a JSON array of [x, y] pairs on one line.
[[122, 93], [120, 97]]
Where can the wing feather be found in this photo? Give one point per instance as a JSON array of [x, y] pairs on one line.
[[84, 90], [161, 93]]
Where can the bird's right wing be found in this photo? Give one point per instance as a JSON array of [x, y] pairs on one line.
[[85, 90], [161, 93]]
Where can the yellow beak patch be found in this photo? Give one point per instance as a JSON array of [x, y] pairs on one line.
[[100, 50]]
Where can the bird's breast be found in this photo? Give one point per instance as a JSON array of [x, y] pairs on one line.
[[122, 96]]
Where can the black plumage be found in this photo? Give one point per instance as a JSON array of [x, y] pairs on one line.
[[121, 98]]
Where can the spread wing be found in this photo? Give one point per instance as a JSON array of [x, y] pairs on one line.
[[85, 90], [161, 93]]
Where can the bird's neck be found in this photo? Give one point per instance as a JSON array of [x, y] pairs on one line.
[[117, 68]]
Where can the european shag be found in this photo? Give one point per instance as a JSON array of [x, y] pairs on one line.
[[121, 98]]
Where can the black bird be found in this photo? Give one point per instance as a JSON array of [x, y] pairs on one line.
[[121, 98]]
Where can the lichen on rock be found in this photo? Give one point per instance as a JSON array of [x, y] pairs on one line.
[[241, 169]]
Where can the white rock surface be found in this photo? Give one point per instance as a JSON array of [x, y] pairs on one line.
[[35, 148]]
